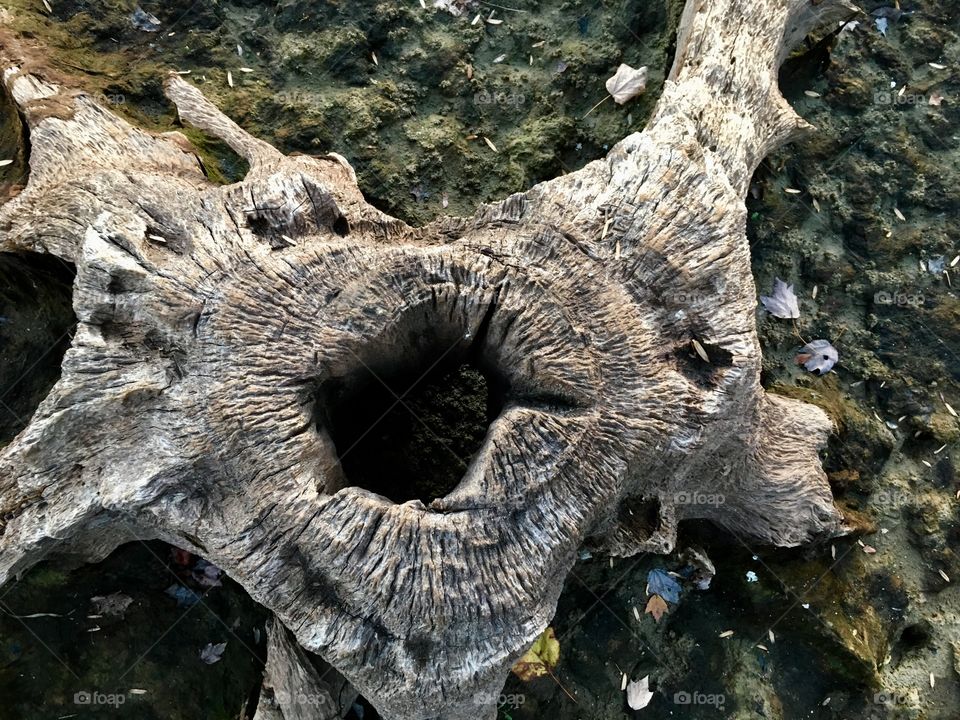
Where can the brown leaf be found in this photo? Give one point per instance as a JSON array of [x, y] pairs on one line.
[[656, 606]]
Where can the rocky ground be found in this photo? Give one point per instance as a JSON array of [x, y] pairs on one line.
[[864, 627]]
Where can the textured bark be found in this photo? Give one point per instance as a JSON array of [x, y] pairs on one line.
[[293, 689], [212, 318]]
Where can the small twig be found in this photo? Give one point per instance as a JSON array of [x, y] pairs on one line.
[[503, 7], [796, 331], [597, 105], [560, 684]]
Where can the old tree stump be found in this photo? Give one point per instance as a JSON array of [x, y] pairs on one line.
[[223, 330]]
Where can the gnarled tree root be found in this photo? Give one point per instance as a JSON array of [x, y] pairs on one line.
[[217, 324]]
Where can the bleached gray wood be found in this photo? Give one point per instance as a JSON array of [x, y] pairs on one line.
[[293, 688]]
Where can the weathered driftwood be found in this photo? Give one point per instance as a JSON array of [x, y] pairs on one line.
[[293, 689], [211, 318]]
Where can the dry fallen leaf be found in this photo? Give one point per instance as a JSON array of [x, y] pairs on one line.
[[782, 302], [627, 83], [540, 659], [657, 607], [115, 604], [818, 356], [638, 694], [700, 351], [213, 652]]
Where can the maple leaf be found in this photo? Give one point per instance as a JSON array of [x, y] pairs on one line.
[[627, 83], [657, 607], [660, 582], [540, 659], [213, 652], [818, 356], [782, 303]]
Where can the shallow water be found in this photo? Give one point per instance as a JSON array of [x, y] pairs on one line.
[[60, 658], [413, 123]]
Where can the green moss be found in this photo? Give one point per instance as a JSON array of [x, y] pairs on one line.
[[944, 427], [221, 163], [47, 578], [850, 636], [12, 147], [316, 88], [832, 399]]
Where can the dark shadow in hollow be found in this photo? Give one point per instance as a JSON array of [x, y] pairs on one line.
[[36, 324], [418, 447], [362, 710]]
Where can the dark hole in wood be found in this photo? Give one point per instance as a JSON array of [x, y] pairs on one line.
[[419, 446], [641, 515], [704, 374], [36, 323], [341, 226]]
